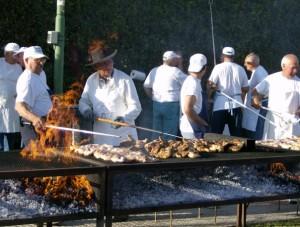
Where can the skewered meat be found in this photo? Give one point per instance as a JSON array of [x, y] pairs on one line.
[[110, 153], [191, 148], [291, 143], [193, 155], [165, 153]]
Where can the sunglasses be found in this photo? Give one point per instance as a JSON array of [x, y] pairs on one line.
[[40, 60]]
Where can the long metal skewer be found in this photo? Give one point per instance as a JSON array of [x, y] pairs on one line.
[[124, 124], [81, 131], [76, 130], [282, 115], [246, 107]]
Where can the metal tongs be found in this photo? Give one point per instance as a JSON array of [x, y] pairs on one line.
[[287, 118]]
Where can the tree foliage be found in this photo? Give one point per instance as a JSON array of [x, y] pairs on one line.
[[142, 30]]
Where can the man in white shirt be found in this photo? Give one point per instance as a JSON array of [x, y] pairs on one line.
[[33, 100], [252, 124], [191, 124], [283, 90], [9, 118], [231, 79], [163, 86], [109, 93]]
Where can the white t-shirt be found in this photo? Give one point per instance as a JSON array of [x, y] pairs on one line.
[[166, 82], [229, 78], [191, 86], [284, 97], [249, 118], [9, 118], [32, 90]]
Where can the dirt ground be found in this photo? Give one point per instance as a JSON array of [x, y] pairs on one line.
[[225, 216]]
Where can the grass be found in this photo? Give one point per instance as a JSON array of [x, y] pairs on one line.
[[286, 223]]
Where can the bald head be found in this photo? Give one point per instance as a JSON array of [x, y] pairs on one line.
[[290, 65]]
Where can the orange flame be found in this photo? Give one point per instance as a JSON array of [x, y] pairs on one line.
[[49, 143]]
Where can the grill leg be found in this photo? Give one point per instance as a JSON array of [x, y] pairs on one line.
[[100, 198], [199, 212], [241, 215], [216, 210], [244, 214], [171, 218], [238, 215]]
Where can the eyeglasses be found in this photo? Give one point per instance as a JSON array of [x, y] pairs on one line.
[[40, 60], [248, 63]]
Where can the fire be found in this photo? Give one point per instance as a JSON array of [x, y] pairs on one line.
[[277, 167], [52, 142], [62, 189]]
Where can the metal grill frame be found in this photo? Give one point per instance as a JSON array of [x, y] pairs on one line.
[[210, 159], [13, 166]]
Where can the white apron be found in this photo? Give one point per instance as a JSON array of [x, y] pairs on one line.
[[9, 118], [287, 126], [111, 99]]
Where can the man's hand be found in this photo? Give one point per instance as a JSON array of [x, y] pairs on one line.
[[38, 124], [256, 99], [256, 103], [88, 114], [212, 86], [117, 119]]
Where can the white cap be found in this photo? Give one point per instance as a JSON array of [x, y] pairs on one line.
[[228, 51], [34, 52], [197, 62], [21, 50], [11, 47], [168, 55]]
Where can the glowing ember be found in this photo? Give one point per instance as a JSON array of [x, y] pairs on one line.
[[61, 190], [277, 167], [51, 142]]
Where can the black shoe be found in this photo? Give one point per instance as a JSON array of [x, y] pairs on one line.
[[292, 201], [120, 218]]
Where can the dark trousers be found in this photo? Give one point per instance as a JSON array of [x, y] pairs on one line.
[[13, 139], [261, 121], [222, 117]]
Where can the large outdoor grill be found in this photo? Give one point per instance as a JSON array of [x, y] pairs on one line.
[[121, 171], [145, 179], [14, 166]]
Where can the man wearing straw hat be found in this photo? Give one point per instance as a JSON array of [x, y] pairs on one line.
[[110, 94]]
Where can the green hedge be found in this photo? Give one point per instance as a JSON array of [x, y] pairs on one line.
[[143, 29]]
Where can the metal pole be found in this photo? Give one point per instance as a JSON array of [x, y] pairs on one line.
[[59, 47], [210, 2]]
